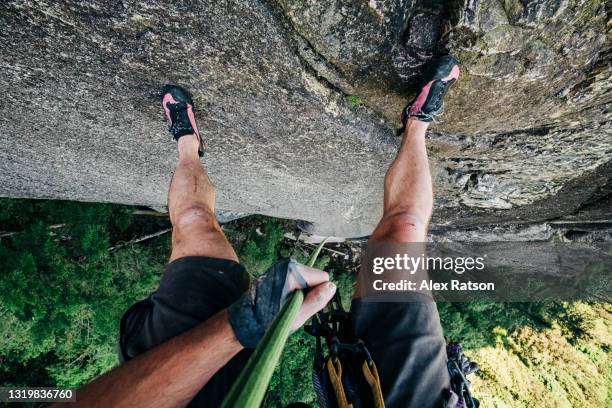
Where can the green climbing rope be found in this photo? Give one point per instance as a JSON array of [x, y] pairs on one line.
[[250, 388]]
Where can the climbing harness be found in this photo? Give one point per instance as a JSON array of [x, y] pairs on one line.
[[344, 375]]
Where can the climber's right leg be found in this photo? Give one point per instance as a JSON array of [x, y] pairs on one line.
[[404, 335]]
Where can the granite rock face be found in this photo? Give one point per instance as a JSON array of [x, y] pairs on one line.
[[299, 101]]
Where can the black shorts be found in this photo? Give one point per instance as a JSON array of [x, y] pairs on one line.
[[192, 290], [405, 339], [406, 342]]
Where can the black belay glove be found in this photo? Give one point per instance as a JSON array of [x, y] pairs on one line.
[[251, 315]]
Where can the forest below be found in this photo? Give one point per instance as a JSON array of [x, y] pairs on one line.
[[69, 270]]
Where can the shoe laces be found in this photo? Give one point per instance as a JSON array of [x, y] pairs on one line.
[[179, 119]]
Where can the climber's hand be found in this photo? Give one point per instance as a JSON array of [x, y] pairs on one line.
[[251, 315]]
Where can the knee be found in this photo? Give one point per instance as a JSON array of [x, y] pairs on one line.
[[401, 227], [194, 216]]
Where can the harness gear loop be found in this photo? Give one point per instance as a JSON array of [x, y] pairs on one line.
[[370, 372], [334, 368], [345, 375]]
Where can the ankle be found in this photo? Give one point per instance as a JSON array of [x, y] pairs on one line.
[[415, 126], [188, 145]]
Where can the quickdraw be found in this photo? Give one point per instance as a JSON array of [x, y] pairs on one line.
[[459, 366], [346, 376]]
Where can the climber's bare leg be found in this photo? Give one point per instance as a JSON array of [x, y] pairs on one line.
[[408, 189], [404, 335], [191, 202], [408, 197], [402, 329]]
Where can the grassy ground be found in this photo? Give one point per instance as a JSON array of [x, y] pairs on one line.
[[62, 293], [562, 363]]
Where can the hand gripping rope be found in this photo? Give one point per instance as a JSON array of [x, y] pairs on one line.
[[250, 388]]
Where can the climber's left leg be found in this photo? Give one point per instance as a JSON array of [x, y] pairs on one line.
[[191, 198], [203, 276], [191, 202]]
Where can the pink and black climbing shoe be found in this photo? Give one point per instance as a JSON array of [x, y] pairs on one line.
[[438, 77], [178, 107]]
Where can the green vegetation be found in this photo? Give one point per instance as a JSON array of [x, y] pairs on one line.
[[62, 294], [536, 354], [62, 291], [353, 100]]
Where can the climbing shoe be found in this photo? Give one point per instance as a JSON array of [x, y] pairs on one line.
[[178, 108], [438, 77]]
